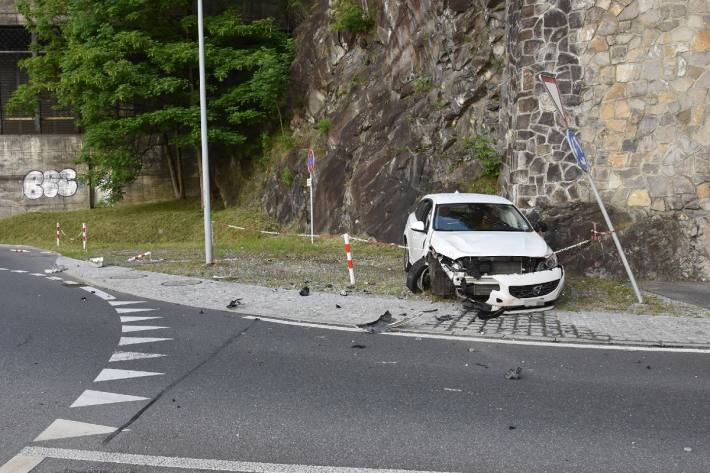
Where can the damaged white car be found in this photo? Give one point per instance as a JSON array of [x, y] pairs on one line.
[[482, 249]]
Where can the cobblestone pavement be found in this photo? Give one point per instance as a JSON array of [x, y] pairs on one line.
[[600, 327], [419, 316]]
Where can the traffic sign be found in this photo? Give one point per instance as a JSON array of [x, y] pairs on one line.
[[550, 82], [311, 162], [577, 150]]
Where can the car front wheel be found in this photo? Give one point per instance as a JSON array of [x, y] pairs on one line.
[[407, 264], [418, 277]]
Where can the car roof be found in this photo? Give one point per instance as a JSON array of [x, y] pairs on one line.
[[461, 198]]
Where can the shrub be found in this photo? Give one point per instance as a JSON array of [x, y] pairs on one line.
[[482, 149], [349, 16], [323, 126], [287, 177]]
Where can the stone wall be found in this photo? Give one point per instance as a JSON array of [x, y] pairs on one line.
[[635, 76]]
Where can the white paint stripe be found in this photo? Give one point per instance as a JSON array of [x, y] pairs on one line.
[[137, 319], [21, 464], [129, 311], [140, 328], [4, 269], [196, 463], [18, 271], [64, 429], [531, 343], [95, 398], [547, 344], [99, 293], [37, 274], [341, 328], [108, 374], [130, 356], [55, 278], [119, 303], [136, 340]]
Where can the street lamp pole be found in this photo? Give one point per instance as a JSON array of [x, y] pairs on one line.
[[206, 204]]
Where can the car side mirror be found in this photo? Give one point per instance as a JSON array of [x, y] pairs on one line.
[[418, 226], [540, 227]]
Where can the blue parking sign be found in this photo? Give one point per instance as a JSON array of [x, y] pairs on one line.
[[577, 150]]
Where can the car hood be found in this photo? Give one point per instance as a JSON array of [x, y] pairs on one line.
[[460, 244]]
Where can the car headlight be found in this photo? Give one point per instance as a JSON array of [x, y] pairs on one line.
[[550, 262], [454, 265]]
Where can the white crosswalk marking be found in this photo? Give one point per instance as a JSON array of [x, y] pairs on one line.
[[120, 303], [129, 318], [99, 293], [128, 311]]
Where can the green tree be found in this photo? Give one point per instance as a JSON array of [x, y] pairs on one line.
[[128, 68]]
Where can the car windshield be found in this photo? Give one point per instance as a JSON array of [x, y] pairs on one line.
[[479, 217]]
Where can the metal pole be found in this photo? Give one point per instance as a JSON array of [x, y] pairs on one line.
[[203, 135], [616, 239], [311, 186]]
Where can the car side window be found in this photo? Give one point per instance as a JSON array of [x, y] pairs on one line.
[[423, 210]]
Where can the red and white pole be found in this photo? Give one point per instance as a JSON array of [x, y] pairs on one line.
[[349, 254], [83, 235], [59, 231]]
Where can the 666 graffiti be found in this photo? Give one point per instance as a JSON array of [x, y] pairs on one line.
[[49, 184]]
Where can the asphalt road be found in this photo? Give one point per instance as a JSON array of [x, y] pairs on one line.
[[252, 391]]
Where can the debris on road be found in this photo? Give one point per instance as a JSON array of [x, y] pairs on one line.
[[482, 365], [513, 373], [141, 257], [512, 427], [443, 318], [55, 269], [304, 291], [98, 262], [235, 303], [380, 325], [358, 346], [338, 306], [453, 390], [687, 449], [84, 299], [430, 310], [471, 350], [343, 292]]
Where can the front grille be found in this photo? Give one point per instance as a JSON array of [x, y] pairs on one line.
[[478, 266], [533, 290]]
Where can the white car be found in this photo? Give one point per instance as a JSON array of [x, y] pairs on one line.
[[481, 248]]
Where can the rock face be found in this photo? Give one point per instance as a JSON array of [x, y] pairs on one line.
[[397, 103], [394, 106]]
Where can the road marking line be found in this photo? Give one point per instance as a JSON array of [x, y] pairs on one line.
[[110, 374], [36, 274], [137, 319], [196, 463], [136, 340], [461, 338], [341, 328], [120, 303], [65, 429], [21, 463], [95, 398], [55, 278], [99, 293], [130, 356], [140, 328], [4, 269], [128, 311], [18, 271]]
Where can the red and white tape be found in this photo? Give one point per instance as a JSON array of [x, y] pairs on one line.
[[349, 254], [59, 232], [84, 235]]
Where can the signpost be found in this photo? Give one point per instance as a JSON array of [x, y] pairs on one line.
[[207, 208], [550, 82], [311, 163]]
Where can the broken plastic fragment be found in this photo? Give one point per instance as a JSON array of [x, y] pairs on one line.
[[234, 303], [380, 325], [304, 291], [513, 373], [98, 262]]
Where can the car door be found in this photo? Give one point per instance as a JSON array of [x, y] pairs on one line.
[[416, 241]]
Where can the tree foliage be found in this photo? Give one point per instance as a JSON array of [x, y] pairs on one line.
[[128, 68]]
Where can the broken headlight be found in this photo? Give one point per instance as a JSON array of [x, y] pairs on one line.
[[549, 262], [453, 265]]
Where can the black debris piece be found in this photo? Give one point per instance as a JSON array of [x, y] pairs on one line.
[[202, 312], [358, 346], [380, 325], [234, 303], [329, 286], [444, 318], [512, 427], [482, 365], [430, 310], [648, 367], [304, 291], [83, 299], [337, 306], [513, 373]]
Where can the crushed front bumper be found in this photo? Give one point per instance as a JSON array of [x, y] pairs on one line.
[[515, 293]]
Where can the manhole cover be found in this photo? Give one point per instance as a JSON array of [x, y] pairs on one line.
[[128, 276], [180, 283]]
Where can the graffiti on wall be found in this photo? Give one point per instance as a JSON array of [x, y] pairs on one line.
[[49, 184]]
